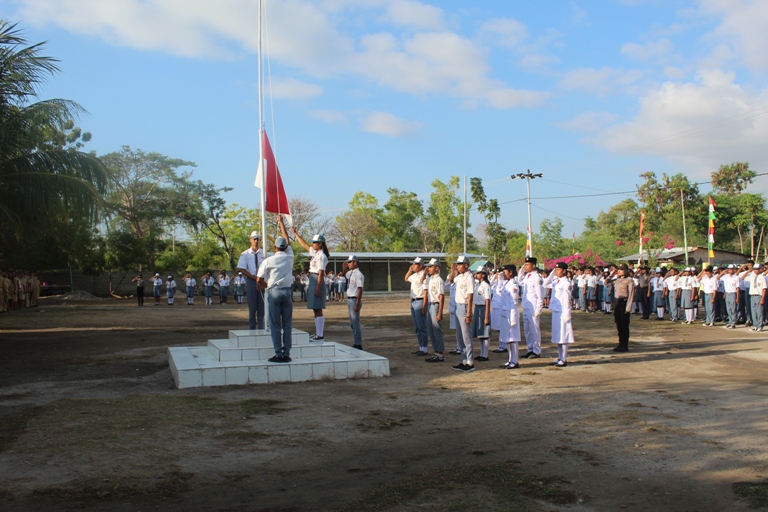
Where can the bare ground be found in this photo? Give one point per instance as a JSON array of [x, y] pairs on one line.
[[90, 420]]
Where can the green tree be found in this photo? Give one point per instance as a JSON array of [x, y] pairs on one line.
[[495, 233], [732, 179], [399, 220], [358, 228], [40, 178], [444, 217]]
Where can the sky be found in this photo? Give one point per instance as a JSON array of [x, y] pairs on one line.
[[375, 94]]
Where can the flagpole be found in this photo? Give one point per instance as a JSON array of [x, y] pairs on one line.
[[685, 235], [262, 163]]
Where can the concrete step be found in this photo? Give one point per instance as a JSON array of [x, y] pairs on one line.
[[227, 350], [263, 339]]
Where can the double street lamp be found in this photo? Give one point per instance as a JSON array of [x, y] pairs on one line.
[[528, 177]]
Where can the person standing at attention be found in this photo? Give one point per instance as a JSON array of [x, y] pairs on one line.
[[560, 305], [509, 293], [416, 277], [530, 283], [190, 283], [317, 290], [275, 274], [157, 283], [481, 327], [224, 281], [356, 281], [249, 263], [170, 289], [139, 280], [239, 282], [624, 292], [465, 288], [434, 298]]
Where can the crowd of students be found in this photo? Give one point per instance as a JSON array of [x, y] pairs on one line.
[[18, 289], [220, 283]]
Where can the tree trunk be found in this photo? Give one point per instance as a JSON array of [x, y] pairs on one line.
[[741, 239], [760, 240]]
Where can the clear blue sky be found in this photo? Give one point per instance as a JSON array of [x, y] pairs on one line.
[[372, 94]]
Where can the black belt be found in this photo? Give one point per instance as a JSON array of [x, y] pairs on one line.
[[314, 273], [414, 300]]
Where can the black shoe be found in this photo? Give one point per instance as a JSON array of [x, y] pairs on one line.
[[481, 358], [459, 367], [531, 355], [275, 359], [420, 353], [511, 366], [315, 337], [358, 347], [561, 364], [468, 368], [285, 359], [435, 359], [456, 352], [500, 350], [621, 349]]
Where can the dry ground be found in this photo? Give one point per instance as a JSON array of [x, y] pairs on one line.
[[90, 420]]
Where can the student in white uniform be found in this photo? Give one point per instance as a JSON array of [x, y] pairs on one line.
[[709, 287], [451, 287], [239, 282], [482, 323], [465, 289], [354, 292], [672, 294], [757, 287], [190, 283], [560, 305], [656, 293], [416, 277], [509, 333], [157, 283], [207, 282], [249, 263], [317, 290], [276, 276], [224, 281], [434, 297], [731, 286], [496, 323], [746, 276], [530, 283], [170, 289]]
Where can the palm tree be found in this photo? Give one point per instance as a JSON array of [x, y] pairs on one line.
[[39, 177]]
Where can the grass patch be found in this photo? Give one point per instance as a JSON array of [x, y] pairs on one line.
[[480, 487], [756, 493]]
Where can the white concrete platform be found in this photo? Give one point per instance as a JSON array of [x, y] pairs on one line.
[[242, 359]]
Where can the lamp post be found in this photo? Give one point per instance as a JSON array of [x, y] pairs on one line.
[[528, 177]]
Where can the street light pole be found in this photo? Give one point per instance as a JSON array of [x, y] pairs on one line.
[[528, 177]]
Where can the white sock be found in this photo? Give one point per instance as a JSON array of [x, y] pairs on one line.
[[319, 325], [485, 345], [513, 352], [562, 351], [660, 312]]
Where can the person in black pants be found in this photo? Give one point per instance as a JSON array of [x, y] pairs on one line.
[[139, 280], [623, 293], [642, 291]]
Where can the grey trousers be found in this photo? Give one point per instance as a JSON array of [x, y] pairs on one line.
[[674, 306], [354, 320], [281, 319], [435, 328], [709, 307], [255, 305], [464, 335], [731, 306], [419, 322], [757, 311]]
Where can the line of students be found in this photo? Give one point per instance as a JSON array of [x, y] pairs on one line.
[[207, 282], [18, 290]]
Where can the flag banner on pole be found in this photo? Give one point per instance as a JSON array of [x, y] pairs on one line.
[[573, 245], [528, 244], [277, 201], [711, 236]]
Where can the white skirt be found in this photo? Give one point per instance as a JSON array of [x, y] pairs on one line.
[[495, 319], [562, 332], [509, 332]]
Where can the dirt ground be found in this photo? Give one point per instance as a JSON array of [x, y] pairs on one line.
[[90, 419]]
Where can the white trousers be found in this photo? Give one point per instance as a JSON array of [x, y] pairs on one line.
[[532, 331]]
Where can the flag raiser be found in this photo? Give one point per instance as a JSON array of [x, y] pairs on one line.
[[711, 235], [276, 202]]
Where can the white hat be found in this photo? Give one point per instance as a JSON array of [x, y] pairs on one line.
[[255, 235], [658, 269], [731, 266], [352, 257], [157, 274], [170, 277], [418, 261], [757, 265], [318, 238], [461, 259], [715, 267], [434, 262]]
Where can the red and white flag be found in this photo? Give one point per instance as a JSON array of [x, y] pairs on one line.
[[277, 202]]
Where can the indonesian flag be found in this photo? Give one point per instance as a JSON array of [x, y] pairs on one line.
[[642, 224], [277, 202], [711, 236]]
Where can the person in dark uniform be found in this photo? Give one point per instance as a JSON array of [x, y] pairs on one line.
[[623, 294]]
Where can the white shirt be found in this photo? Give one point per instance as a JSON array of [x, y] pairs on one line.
[[531, 285], [318, 261], [435, 288], [239, 280], [356, 280], [757, 284], [731, 283], [709, 284], [190, 281], [671, 284], [482, 293], [657, 284], [581, 281], [562, 289], [224, 281], [465, 285], [278, 269], [451, 295], [417, 287], [171, 284], [156, 281], [506, 294], [207, 281], [591, 281], [248, 262]]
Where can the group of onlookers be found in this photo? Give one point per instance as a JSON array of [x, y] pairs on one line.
[[18, 289], [207, 285]]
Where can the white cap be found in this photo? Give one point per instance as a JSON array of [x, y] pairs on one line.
[[434, 262], [255, 235], [658, 269], [731, 266], [757, 265], [352, 257], [418, 261], [461, 259]]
